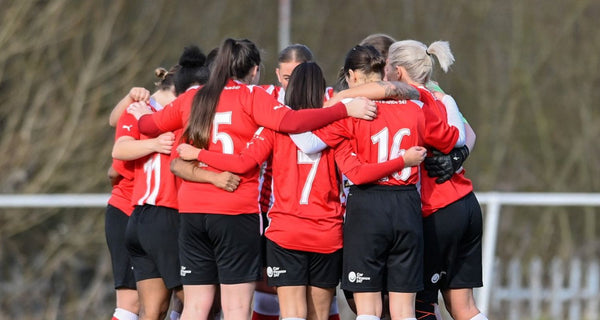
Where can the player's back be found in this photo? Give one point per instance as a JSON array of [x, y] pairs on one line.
[[154, 182], [398, 126], [306, 214], [238, 111]]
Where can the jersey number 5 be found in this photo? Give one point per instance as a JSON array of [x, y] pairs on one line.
[[226, 141], [381, 138]]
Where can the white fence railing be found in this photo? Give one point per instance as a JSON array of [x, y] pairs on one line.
[[62, 200], [573, 281], [493, 202]]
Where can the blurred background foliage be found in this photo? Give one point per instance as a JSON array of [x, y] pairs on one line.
[[526, 77]]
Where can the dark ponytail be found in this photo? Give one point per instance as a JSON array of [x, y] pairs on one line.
[[190, 63], [366, 59], [235, 59]]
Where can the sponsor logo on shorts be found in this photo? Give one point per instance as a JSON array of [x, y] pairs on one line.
[[437, 276], [274, 272], [184, 271], [357, 277]]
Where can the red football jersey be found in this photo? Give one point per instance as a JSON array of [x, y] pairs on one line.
[[435, 196], [266, 170], [279, 93], [154, 183], [239, 110], [306, 214], [265, 178], [399, 125], [122, 191], [276, 91], [438, 133]]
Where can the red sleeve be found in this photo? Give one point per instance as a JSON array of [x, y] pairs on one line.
[[361, 173], [438, 133], [170, 118], [148, 127], [310, 119], [264, 109], [336, 133], [257, 151], [127, 126], [269, 113]]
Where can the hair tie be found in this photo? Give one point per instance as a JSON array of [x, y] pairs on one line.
[[427, 51]]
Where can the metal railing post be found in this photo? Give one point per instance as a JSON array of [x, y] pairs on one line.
[[490, 234]]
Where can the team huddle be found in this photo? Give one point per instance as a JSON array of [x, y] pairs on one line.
[[233, 199]]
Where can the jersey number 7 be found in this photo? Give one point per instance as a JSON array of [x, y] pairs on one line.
[[313, 159]]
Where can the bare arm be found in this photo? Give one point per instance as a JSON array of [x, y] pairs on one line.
[[128, 148], [378, 90], [135, 94], [190, 171]]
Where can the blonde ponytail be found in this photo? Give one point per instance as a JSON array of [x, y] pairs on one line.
[[441, 50], [416, 58]]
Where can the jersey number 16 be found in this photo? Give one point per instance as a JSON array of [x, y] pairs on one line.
[[381, 138]]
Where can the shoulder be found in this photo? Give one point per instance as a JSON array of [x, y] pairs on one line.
[[271, 89], [417, 103], [393, 103], [191, 91], [127, 125], [186, 96], [246, 89]]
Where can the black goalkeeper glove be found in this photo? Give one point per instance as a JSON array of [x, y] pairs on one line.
[[443, 166]]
